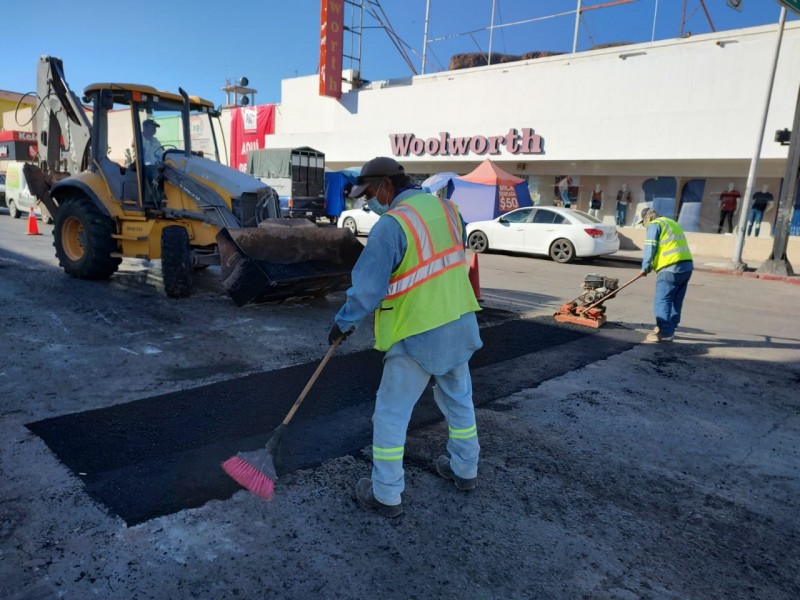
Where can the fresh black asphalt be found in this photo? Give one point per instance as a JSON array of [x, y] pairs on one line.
[[162, 454]]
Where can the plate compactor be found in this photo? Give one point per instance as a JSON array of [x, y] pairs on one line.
[[587, 309]]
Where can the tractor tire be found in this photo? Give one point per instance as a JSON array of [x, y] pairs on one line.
[[83, 240], [176, 261]]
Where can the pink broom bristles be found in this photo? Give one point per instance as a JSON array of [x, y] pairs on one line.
[[249, 477]]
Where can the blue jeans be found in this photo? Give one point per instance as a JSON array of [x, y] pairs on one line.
[[668, 302], [756, 214], [622, 214], [402, 384], [565, 198]]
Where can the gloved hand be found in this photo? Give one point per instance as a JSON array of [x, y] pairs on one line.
[[646, 270], [335, 334]]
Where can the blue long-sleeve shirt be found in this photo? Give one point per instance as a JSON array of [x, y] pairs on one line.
[[438, 350], [652, 237]]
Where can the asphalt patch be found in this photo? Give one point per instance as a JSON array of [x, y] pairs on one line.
[[162, 454]]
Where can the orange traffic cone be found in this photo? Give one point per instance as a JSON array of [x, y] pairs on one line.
[[33, 228], [474, 277]]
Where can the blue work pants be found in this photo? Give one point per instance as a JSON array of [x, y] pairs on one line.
[[402, 384], [670, 292]]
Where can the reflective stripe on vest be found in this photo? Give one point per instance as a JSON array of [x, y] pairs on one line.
[[430, 264], [672, 245], [430, 287]]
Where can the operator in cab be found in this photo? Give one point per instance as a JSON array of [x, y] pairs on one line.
[[151, 147]]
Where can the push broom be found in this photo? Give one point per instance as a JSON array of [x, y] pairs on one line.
[[255, 471]]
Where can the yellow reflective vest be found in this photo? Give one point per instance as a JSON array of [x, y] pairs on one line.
[[672, 245], [430, 287]]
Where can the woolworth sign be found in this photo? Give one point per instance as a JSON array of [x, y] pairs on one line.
[[525, 141]]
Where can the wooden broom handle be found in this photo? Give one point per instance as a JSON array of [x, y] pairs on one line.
[[311, 381]]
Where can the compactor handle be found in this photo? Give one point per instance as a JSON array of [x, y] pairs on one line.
[[615, 292]]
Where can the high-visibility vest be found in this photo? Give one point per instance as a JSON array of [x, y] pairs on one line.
[[430, 287], [672, 245]]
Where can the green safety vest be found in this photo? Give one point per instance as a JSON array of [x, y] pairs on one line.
[[430, 287], [672, 245]]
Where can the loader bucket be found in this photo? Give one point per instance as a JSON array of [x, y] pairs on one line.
[[285, 258]]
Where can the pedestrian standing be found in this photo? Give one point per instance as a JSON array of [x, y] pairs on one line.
[[666, 252], [413, 275]]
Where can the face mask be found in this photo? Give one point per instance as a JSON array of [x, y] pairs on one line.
[[375, 206]]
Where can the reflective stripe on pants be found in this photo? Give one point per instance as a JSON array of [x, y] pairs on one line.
[[402, 384]]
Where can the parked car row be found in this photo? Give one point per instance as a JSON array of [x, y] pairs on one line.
[[560, 233]]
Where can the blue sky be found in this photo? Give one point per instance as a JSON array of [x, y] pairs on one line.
[[198, 45]]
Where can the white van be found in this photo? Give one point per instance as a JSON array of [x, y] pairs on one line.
[[19, 198]]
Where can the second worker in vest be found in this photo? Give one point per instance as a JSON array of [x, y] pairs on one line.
[[667, 253], [413, 275]]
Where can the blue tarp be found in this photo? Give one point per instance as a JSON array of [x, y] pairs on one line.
[[436, 182], [482, 202], [335, 182]]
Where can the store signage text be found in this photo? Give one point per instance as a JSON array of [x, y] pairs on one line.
[[331, 33], [524, 142]]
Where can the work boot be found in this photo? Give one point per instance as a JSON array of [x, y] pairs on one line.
[[445, 470], [367, 499], [657, 337]]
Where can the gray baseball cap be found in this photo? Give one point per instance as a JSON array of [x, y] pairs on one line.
[[373, 170]]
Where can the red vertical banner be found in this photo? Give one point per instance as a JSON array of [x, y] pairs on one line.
[[330, 48], [249, 127]]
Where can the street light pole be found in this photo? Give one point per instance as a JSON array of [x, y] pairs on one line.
[[736, 259], [778, 263], [425, 36]]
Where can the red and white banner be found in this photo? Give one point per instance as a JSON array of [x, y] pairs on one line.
[[330, 48], [249, 126]]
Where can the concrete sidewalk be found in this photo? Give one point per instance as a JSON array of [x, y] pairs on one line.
[[707, 263]]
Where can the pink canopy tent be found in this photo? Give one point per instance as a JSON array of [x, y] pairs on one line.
[[488, 192]]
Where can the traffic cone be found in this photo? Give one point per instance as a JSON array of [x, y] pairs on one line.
[[474, 277], [33, 228]]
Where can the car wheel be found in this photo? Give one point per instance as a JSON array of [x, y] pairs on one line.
[[83, 239], [562, 251], [176, 261], [350, 223], [478, 242], [13, 211]]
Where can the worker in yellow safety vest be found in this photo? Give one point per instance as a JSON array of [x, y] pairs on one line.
[[666, 252], [413, 275]]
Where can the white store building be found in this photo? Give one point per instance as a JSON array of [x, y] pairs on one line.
[[675, 120]]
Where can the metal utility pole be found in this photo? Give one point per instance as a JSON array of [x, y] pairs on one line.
[[425, 40], [577, 23], [491, 33], [778, 264], [736, 259]]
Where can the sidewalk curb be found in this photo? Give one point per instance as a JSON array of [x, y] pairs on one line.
[[710, 268]]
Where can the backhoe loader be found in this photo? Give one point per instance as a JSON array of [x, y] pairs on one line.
[[175, 203]]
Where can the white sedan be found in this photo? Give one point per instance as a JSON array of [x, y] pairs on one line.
[[561, 233], [358, 220]]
